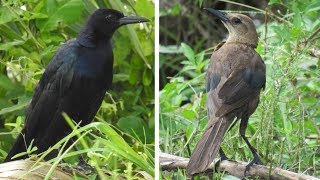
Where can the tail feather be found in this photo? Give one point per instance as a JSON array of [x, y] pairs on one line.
[[18, 147], [208, 145]]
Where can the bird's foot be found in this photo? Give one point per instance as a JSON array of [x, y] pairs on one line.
[[222, 158], [84, 167], [256, 160]]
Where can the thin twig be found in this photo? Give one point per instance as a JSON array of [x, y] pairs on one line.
[[310, 38]]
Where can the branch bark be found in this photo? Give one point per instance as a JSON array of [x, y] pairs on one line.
[[171, 162], [26, 169]]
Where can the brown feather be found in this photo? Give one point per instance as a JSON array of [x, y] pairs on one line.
[[208, 146], [235, 76]]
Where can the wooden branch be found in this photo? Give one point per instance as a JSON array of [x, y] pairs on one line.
[[172, 162], [21, 169]]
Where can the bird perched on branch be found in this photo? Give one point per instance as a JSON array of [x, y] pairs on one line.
[[74, 82], [235, 77]]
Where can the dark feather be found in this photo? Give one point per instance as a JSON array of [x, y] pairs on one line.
[[75, 82]]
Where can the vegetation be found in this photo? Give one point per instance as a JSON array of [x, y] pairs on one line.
[[285, 127], [121, 141]]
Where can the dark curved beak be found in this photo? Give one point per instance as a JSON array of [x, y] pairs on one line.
[[222, 16], [132, 20]]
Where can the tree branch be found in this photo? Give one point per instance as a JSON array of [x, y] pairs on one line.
[[172, 162], [27, 169]]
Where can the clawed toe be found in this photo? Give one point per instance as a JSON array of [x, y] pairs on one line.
[[222, 158], [217, 164], [255, 160]]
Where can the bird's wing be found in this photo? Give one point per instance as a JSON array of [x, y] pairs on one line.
[[241, 85], [55, 80]]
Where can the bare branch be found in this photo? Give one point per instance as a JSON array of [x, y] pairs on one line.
[[172, 162], [26, 169]]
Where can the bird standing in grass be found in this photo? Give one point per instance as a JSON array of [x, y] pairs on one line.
[[235, 77], [74, 82]]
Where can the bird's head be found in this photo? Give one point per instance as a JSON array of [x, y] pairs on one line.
[[241, 28], [101, 25], [108, 20]]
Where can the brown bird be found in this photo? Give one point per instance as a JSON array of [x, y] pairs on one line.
[[235, 77]]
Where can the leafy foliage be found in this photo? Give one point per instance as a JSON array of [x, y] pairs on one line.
[[285, 127], [31, 32]]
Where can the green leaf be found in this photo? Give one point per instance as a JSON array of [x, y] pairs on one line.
[[68, 12], [147, 45], [147, 77], [121, 47], [171, 49], [51, 6], [6, 46], [134, 76], [23, 103], [120, 77], [189, 114], [132, 125], [120, 147], [6, 83], [273, 2], [176, 9], [188, 52], [189, 131], [259, 48], [145, 8], [284, 113], [6, 15]]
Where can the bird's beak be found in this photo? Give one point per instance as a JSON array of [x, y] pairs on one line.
[[222, 16], [132, 20]]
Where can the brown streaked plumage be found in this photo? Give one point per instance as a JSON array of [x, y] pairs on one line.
[[235, 77]]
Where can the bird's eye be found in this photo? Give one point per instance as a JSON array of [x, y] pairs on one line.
[[236, 21], [111, 18]]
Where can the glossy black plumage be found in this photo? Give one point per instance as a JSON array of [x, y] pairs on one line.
[[75, 82]]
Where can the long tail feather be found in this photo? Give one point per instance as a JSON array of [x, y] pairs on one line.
[[208, 145]]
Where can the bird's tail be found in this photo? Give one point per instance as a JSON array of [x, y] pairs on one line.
[[18, 147], [208, 145]]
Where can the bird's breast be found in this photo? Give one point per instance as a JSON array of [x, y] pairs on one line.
[[94, 63]]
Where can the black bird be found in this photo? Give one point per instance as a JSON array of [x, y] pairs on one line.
[[74, 82], [235, 77]]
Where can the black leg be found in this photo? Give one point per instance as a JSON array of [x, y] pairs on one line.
[[82, 165], [222, 155], [222, 158], [256, 159], [221, 152], [232, 125]]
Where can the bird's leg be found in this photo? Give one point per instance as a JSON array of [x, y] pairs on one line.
[[222, 155], [82, 164], [221, 152], [256, 159], [222, 158]]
